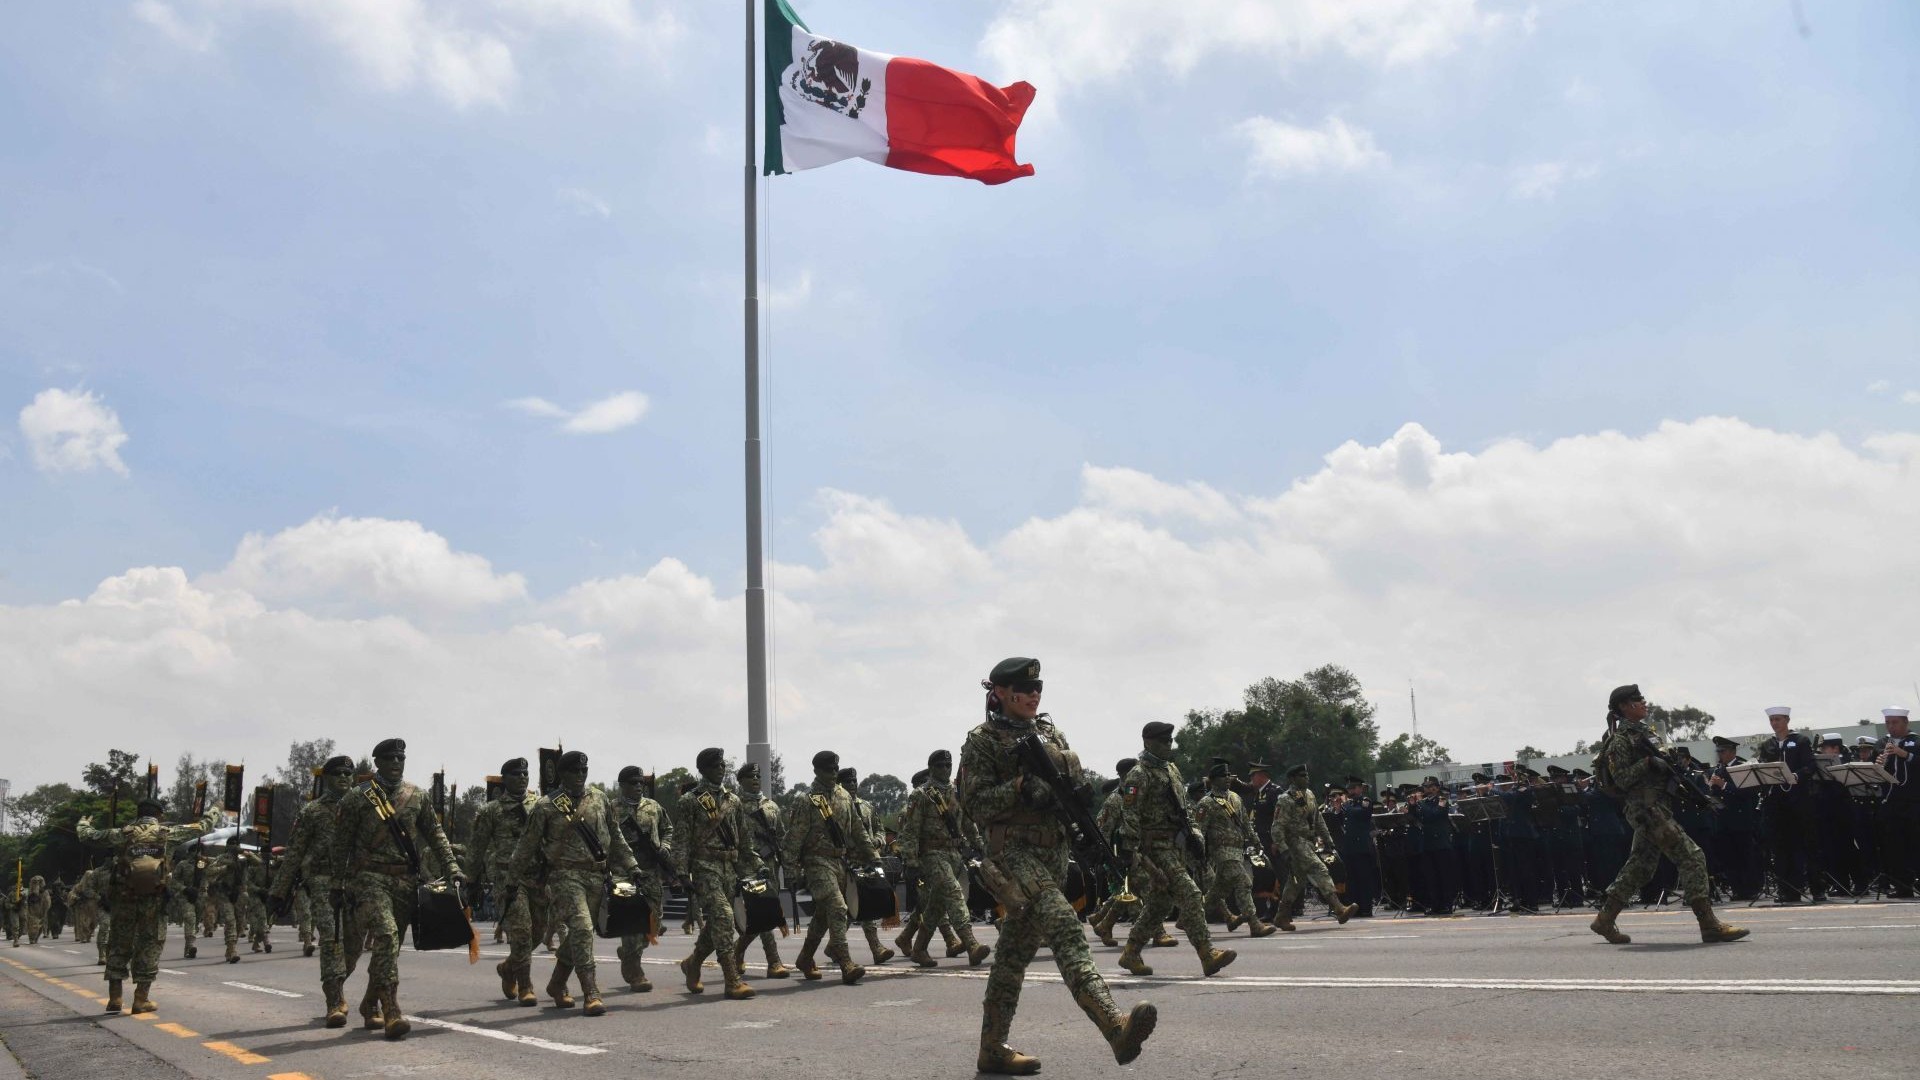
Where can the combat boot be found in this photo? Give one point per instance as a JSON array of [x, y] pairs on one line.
[[842, 955], [233, 953], [1131, 961], [1212, 960], [1283, 921], [1711, 928], [690, 967], [591, 1005], [1603, 923], [996, 1057], [523, 984], [397, 1025], [557, 985], [775, 969], [976, 952], [336, 1004], [1125, 1034], [881, 954], [509, 973], [1164, 940], [918, 954], [904, 943], [191, 952], [1342, 912], [113, 995], [954, 946], [1256, 928], [737, 988], [1103, 927], [804, 962], [632, 973], [141, 1002], [370, 1009]]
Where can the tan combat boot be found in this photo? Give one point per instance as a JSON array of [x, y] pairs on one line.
[[336, 1004], [804, 962], [509, 973], [557, 985], [954, 945], [523, 984], [1256, 928], [396, 1023], [1125, 1034], [113, 995], [976, 952], [1212, 960], [904, 943], [1711, 928], [737, 988], [690, 967], [1164, 940], [996, 1057], [370, 1009], [1103, 926], [1283, 920], [141, 1002], [881, 954], [591, 1005], [1131, 961], [842, 955], [775, 969], [918, 954], [1342, 912], [1603, 923]]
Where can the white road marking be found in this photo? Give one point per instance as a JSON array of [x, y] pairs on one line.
[[170, 971], [901, 1004], [264, 989], [75, 952], [508, 1036], [1864, 987], [739, 1025], [1864, 926]]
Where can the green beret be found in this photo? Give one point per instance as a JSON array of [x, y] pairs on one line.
[[849, 779], [1125, 765], [1014, 669], [919, 779], [390, 746], [744, 771]]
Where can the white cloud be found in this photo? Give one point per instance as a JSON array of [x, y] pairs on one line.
[[1067, 43], [1516, 584], [1910, 397], [611, 413], [793, 296], [584, 202], [167, 21], [1276, 148], [1541, 181], [1879, 386], [73, 431]]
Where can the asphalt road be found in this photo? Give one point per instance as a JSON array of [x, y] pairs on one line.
[[1817, 991]]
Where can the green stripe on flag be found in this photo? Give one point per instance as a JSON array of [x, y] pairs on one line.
[[778, 33]]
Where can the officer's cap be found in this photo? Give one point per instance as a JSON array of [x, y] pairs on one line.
[[1556, 770], [1297, 770], [1721, 742], [711, 758], [1866, 740], [1429, 781], [390, 746], [1158, 729], [1582, 774], [1258, 766], [1354, 780], [516, 767], [1479, 778], [339, 765], [826, 761], [1014, 669], [630, 774]]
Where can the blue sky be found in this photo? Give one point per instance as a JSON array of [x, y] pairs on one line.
[[307, 268]]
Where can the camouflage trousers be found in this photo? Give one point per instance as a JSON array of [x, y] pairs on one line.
[[327, 932], [1655, 833], [259, 924], [86, 918], [825, 879], [36, 925], [1048, 920], [635, 945], [1232, 883], [525, 921], [571, 897], [1164, 885], [135, 938], [103, 934], [710, 899], [942, 901], [229, 914], [1305, 868], [382, 907], [303, 915]]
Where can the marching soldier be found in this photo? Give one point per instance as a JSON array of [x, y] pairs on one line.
[[138, 930], [1297, 824], [38, 903], [649, 834], [1108, 822], [522, 906], [716, 857], [309, 857], [862, 809], [1154, 820], [575, 835], [226, 877], [1229, 836], [761, 823], [1642, 778], [932, 845], [84, 905], [1025, 867], [378, 858], [824, 837]]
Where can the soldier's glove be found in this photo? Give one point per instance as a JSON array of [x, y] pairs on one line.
[[1036, 794], [86, 820]]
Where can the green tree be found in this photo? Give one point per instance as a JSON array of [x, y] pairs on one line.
[[1529, 753], [115, 774], [1409, 751], [1684, 724], [26, 813], [1321, 720], [302, 759], [887, 793]]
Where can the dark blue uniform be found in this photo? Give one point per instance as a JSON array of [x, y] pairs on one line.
[[1736, 837], [1353, 836], [1790, 816]]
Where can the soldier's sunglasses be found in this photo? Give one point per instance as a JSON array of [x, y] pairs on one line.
[[1026, 686]]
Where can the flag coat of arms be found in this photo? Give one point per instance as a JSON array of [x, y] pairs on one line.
[[828, 101]]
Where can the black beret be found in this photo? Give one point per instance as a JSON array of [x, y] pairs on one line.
[[919, 778], [711, 758], [630, 774], [1125, 765], [339, 765], [150, 807], [573, 761], [390, 746], [744, 771], [849, 779], [1623, 694], [939, 758], [1297, 770], [1725, 743], [1159, 729], [516, 767], [1014, 669], [826, 761], [1217, 770]]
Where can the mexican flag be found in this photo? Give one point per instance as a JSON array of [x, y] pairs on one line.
[[828, 101]]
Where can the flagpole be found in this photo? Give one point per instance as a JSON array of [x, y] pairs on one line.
[[758, 752]]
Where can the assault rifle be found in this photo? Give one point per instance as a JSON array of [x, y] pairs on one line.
[[1069, 807], [642, 844], [1683, 785]]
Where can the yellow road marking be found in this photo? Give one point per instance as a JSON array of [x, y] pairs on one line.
[[289, 1076], [239, 1054], [176, 1029]]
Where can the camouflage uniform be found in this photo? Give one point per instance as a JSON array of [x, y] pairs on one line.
[[575, 878], [11, 921], [764, 827], [374, 871], [1027, 853], [1153, 802], [83, 903], [522, 907], [823, 835], [645, 818], [254, 892], [181, 899], [932, 835], [138, 930], [863, 810], [96, 887], [38, 902], [309, 857], [227, 874], [714, 858], [1297, 823], [1223, 821]]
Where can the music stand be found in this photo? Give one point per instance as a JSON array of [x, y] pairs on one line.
[[1857, 776], [1485, 810], [1759, 775]]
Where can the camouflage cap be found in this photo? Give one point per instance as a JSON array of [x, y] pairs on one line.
[[1014, 669]]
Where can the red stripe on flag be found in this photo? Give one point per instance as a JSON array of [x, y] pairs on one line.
[[949, 123]]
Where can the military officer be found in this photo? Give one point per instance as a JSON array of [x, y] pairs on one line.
[[309, 857], [1297, 824], [522, 907], [386, 833], [824, 836], [850, 783], [1355, 836], [138, 930], [933, 837], [715, 856], [1229, 835], [1025, 866], [1642, 778], [575, 835], [1737, 826], [649, 833]]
